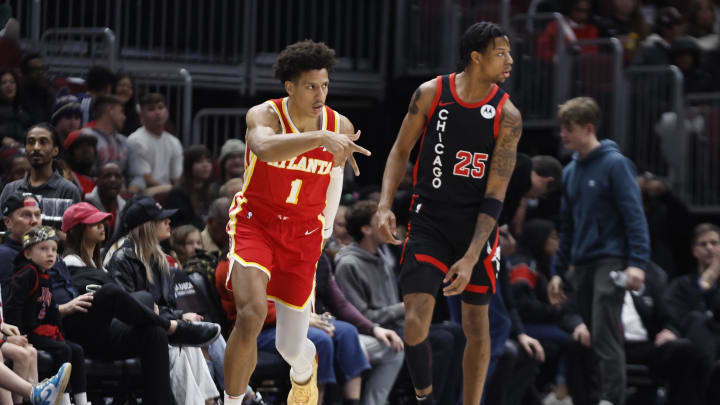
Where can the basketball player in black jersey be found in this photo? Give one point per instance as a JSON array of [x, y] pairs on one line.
[[470, 131]]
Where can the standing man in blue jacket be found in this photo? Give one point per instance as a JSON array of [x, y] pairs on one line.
[[603, 234]]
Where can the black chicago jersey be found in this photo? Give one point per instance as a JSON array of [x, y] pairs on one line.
[[457, 145]]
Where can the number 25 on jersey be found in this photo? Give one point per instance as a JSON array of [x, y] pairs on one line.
[[477, 160], [294, 192]]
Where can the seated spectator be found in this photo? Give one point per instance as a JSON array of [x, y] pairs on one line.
[[669, 225], [42, 147], [66, 115], [112, 146], [337, 344], [624, 21], [655, 49], [140, 265], [577, 18], [231, 187], [124, 89], [340, 236], [141, 333], [106, 194], [99, 82], [14, 120], [158, 155], [559, 329], [20, 214], [32, 307], [38, 96], [195, 191], [80, 155], [651, 339], [693, 300], [685, 54], [232, 160], [700, 18], [534, 177], [368, 282], [384, 348], [15, 165], [185, 241], [214, 236]]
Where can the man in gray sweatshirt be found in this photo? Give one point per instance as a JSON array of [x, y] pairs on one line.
[[368, 282]]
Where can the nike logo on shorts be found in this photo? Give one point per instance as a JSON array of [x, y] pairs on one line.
[[309, 232]]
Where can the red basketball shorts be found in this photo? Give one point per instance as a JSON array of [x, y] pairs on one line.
[[286, 250]]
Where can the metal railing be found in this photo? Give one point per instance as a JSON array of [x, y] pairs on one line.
[[213, 126], [702, 183], [538, 84], [596, 70], [357, 31], [428, 32], [177, 87], [78, 48], [656, 138]]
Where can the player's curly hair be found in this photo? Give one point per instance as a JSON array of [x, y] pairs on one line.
[[477, 38], [301, 57]]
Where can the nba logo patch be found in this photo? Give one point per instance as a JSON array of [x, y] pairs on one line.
[[487, 111]]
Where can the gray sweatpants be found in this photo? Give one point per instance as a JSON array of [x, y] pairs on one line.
[[386, 364], [600, 304]]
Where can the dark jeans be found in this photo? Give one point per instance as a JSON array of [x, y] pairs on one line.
[[678, 364], [600, 305], [117, 327], [64, 352]]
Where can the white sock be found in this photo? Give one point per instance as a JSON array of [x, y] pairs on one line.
[[65, 399], [233, 400], [81, 398]]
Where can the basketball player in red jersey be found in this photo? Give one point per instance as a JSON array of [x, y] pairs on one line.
[[470, 131], [297, 147]]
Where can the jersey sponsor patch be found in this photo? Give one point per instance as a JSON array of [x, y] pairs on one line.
[[487, 111]]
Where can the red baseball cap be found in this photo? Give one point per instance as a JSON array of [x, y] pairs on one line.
[[77, 135], [82, 213]]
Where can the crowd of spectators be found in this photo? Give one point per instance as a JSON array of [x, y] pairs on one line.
[[660, 32]]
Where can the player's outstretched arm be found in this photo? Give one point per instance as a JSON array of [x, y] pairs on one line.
[[412, 126], [501, 169], [263, 125]]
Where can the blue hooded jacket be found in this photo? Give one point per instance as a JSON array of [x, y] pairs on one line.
[[601, 213]]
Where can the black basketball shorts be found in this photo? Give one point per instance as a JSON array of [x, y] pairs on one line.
[[437, 238]]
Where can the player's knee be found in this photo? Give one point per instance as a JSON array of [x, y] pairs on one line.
[[251, 315]]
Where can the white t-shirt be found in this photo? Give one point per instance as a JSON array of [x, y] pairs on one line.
[[161, 156], [632, 323]]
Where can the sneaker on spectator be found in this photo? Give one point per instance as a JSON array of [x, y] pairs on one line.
[[50, 391], [195, 334]]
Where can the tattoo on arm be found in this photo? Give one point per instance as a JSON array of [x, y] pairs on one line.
[[414, 109], [505, 153]]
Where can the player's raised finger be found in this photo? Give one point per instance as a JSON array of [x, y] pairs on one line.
[[357, 148]]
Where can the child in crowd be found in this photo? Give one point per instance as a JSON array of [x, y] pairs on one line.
[[32, 307]]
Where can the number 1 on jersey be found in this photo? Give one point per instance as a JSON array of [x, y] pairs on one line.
[[294, 191]]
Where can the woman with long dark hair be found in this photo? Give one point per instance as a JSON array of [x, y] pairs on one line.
[[13, 118], [124, 89], [195, 191]]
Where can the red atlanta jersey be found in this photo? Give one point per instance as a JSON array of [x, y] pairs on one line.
[[293, 188]]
